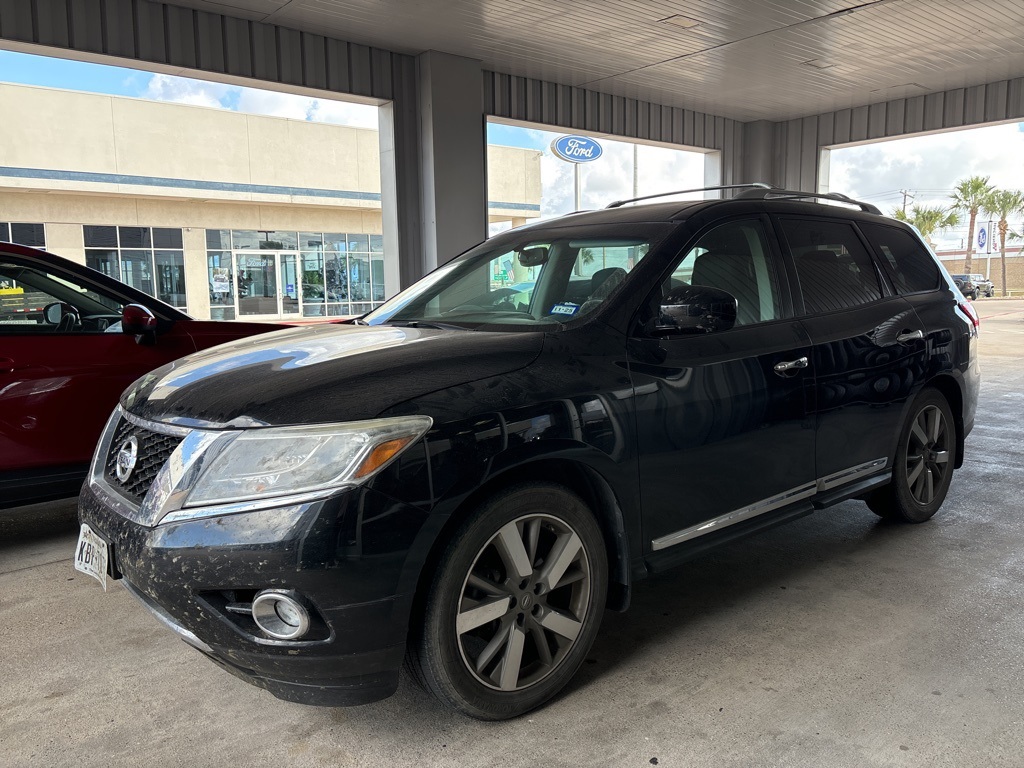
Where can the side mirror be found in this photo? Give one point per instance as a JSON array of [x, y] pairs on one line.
[[140, 322], [62, 315], [52, 313], [695, 309]]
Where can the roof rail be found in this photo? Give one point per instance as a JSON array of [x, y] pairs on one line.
[[757, 185], [791, 194]]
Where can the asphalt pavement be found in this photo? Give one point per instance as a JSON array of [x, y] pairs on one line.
[[836, 640]]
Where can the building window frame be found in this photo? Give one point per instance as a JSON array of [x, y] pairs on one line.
[[32, 234], [151, 259]]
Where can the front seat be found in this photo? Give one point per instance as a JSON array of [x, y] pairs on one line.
[[602, 283], [734, 274]]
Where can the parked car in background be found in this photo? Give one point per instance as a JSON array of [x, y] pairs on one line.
[[983, 284], [470, 475], [71, 340], [966, 285]]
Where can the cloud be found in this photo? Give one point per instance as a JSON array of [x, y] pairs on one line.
[[185, 91], [343, 113], [256, 101], [928, 167], [274, 103]]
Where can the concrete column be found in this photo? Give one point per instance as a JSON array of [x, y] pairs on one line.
[[759, 153], [433, 164], [197, 281]]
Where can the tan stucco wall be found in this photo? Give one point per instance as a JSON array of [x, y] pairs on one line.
[[513, 176], [71, 131]]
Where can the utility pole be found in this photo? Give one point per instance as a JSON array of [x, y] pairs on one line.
[[636, 176], [906, 194]]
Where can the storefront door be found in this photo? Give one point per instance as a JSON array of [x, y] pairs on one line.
[[269, 284]]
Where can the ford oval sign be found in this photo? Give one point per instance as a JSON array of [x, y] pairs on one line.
[[576, 149]]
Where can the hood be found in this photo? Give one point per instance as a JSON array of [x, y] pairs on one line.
[[322, 373]]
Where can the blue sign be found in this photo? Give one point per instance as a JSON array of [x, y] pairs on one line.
[[576, 149], [982, 237]]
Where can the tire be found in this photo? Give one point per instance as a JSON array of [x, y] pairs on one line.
[[495, 641], [925, 458]]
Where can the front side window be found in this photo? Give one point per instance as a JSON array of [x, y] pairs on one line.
[[834, 268], [525, 279], [734, 258], [27, 291], [911, 266]]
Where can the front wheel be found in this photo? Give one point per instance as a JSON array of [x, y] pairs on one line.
[[924, 464], [515, 604]]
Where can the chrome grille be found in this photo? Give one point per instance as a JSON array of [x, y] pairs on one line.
[[154, 450]]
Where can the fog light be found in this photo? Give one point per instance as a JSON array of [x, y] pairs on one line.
[[280, 615]]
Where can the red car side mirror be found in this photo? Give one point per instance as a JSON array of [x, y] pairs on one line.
[[140, 322]]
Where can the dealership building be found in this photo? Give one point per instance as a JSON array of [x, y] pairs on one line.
[[223, 214]]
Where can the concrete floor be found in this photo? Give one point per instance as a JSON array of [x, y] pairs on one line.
[[838, 640]]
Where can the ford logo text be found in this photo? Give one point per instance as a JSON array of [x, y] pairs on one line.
[[576, 149]]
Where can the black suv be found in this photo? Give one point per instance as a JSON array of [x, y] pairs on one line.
[[468, 476], [966, 285]]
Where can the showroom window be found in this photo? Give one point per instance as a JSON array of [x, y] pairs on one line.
[[33, 235], [150, 259], [282, 273]]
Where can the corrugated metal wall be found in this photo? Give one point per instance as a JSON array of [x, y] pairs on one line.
[[566, 106], [182, 37], [797, 143]]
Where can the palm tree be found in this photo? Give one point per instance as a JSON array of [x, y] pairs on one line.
[[968, 197], [928, 219], [1003, 203]]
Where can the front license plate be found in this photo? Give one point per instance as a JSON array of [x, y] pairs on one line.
[[91, 555]]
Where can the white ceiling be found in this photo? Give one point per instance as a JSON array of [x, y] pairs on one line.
[[745, 59]]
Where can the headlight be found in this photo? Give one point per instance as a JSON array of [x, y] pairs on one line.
[[213, 473], [286, 461]]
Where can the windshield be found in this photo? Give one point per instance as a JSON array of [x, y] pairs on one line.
[[536, 277]]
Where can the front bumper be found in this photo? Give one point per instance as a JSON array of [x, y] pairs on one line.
[[346, 555]]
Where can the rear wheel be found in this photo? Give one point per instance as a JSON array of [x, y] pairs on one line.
[[924, 463], [515, 604]]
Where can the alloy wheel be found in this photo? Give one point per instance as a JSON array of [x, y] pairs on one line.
[[927, 454], [523, 602]]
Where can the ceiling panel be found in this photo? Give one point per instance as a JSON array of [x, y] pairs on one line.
[[744, 59]]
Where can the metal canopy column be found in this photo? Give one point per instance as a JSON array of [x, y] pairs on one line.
[[452, 141], [433, 163]]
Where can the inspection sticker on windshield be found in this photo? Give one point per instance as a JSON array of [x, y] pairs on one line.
[[91, 555], [564, 309]]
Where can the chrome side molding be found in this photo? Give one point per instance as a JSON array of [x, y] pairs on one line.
[[827, 483]]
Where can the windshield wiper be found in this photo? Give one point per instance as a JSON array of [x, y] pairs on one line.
[[426, 324]]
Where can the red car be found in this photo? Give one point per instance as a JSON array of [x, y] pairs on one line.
[[71, 340]]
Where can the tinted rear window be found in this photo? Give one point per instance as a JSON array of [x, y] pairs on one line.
[[911, 266], [834, 268]]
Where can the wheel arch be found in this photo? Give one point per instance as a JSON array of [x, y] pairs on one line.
[[574, 476], [950, 389]]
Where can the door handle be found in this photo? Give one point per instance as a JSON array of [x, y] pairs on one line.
[[906, 336], [791, 365], [7, 365]]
